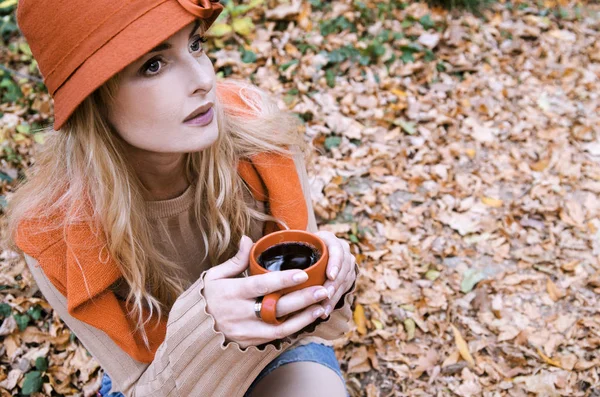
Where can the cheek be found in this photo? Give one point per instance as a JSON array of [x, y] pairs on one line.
[[142, 112]]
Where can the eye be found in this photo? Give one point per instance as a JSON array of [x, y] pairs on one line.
[[196, 46], [152, 67]]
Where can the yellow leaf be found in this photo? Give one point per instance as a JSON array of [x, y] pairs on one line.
[[547, 359], [18, 137], [471, 153], [39, 138], [360, 320], [243, 26], [492, 202], [410, 327], [399, 93], [540, 165], [220, 29], [462, 346], [8, 3], [377, 324]]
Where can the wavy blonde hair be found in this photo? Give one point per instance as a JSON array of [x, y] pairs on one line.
[[82, 172]]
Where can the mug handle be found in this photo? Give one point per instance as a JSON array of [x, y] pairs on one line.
[[268, 311]]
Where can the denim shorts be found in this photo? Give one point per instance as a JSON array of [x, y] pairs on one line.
[[312, 352]]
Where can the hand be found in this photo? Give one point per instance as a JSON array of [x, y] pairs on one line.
[[340, 270], [230, 300]]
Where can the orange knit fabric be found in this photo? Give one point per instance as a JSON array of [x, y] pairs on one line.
[[79, 266]]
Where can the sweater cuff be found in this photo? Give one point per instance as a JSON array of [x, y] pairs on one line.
[[203, 363]]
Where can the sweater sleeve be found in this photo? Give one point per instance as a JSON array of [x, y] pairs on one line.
[[193, 359]]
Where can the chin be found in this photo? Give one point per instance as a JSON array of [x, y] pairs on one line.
[[206, 139]]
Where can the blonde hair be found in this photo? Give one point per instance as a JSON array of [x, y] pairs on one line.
[[81, 172]]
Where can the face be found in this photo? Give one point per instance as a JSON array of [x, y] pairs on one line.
[[160, 90]]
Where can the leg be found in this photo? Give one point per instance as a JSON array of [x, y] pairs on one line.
[[301, 379]]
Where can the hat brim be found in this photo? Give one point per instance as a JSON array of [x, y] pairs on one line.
[[134, 41]]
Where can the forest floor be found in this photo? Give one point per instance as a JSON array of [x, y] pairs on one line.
[[459, 153]]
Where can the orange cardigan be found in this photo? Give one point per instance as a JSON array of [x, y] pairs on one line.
[[71, 261]]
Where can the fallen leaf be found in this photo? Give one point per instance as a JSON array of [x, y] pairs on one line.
[[492, 202], [359, 319], [410, 327], [554, 292], [462, 346]]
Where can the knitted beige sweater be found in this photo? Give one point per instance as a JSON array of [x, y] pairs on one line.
[[194, 359]]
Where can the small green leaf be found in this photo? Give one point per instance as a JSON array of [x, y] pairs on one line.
[[470, 278], [32, 383], [407, 57], [41, 363], [407, 126], [5, 177], [248, 56], [354, 239], [5, 309], [330, 78], [427, 22], [35, 312], [24, 128], [286, 65], [332, 141], [22, 320]]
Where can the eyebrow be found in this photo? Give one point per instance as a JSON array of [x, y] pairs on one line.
[[166, 46]]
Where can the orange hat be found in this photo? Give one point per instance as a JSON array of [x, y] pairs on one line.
[[80, 44]]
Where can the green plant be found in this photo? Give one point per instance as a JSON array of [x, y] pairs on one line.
[[470, 5]]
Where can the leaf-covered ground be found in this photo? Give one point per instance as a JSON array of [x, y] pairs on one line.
[[459, 153]]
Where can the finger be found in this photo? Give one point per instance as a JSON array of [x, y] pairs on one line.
[[336, 253], [233, 266], [298, 300], [329, 304], [333, 286], [263, 284], [296, 322]]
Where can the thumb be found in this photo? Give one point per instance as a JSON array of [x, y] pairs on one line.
[[234, 266]]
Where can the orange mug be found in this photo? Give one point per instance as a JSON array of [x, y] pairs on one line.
[[316, 272]]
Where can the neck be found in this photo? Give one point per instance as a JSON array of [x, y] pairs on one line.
[[161, 174]]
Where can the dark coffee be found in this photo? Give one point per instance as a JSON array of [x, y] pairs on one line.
[[288, 256]]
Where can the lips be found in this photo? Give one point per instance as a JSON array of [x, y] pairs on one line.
[[198, 111]]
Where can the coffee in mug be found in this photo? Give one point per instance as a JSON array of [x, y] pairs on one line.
[[288, 256], [285, 250]]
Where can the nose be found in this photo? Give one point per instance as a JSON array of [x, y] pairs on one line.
[[200, 75]]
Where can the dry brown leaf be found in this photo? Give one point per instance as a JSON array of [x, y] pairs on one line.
[[554, 292], [547, 359], [541, 165], [359, 362], [462, 346]]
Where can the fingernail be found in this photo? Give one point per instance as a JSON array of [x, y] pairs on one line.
[[328, 310], [300, 277], [317, 312], [334, 272], [321, 294], [331, 291]]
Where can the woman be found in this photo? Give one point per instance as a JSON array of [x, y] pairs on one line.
[[135, 220]]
